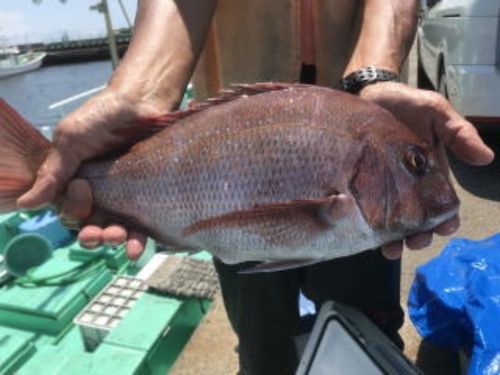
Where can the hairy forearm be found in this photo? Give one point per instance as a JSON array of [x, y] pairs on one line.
[[168, 38], [386, 35]]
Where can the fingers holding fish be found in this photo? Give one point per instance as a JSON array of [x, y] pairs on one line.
[[448, 227], [462, 138], [50, 181], [90, 236], [77, 203], [70, 147], [431, 117], [458, 135], [419, 241], [98, 232], [93, 236], [77, 210], [102, 124], [393, 250], [136, 243]]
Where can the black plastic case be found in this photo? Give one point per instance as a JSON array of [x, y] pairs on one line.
[[345, 342]]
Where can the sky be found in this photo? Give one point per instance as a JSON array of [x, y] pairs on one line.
[[23, 21]]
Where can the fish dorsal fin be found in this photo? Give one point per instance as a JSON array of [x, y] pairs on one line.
[[239, 91]]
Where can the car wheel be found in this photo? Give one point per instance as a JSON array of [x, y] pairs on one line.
[[443, 84], [423, 81]]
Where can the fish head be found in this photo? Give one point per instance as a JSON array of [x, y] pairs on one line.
[[426, 197], [402, 186]]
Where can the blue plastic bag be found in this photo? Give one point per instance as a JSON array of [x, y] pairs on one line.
[[455, 301]]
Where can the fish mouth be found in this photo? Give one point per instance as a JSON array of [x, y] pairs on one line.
[[427, 225], [434, 221]]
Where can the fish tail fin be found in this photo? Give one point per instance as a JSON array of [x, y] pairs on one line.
[[23, 149]]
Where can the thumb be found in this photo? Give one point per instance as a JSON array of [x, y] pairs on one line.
[[464, 141], [459, 135], [51, 180]]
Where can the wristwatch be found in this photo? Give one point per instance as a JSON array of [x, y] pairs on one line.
[[358, 79]]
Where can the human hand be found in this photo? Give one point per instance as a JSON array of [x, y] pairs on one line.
[[434, 120], [106, 122]]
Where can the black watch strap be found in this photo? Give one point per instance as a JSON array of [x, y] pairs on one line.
[[359, 79]]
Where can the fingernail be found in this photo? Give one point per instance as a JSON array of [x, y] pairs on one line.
[[451, 229], [69, 221], [90, 244], [427, 242]]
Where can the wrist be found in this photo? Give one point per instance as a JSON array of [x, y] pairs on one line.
[[127, 105], [146, 95], [357, 80]]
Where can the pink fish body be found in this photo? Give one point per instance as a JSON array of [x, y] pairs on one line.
[[273, 173]]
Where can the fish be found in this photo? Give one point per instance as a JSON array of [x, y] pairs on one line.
[[277, 173]]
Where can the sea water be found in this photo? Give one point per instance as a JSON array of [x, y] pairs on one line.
[[32, 94]]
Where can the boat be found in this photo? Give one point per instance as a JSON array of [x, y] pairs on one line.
[[12, 61]]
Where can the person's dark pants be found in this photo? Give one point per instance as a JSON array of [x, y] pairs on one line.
[[263, 307]]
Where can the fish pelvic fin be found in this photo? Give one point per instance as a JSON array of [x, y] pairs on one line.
[[291, 224], [23, 149]]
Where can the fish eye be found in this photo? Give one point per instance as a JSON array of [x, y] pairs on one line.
[[415, 161]]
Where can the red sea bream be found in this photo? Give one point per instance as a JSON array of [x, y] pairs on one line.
[[271, 173]]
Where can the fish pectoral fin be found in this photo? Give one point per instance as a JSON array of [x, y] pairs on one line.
[[287, 223], [280, 265], [335, 207]]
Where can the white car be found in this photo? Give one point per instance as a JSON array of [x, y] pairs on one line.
[[459, 54]]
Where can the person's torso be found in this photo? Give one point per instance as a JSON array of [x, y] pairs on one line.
[[260, 41]]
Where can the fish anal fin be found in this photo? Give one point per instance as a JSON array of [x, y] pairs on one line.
[[290, 223], [280, 265]]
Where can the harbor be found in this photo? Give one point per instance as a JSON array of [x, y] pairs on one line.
[[96, 312], [211, 346], [81, 50]]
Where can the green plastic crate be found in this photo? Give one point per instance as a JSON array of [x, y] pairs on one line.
[[114, 257], [49, 309], [108, 309], [16, 347], [146, 342], [53, 360], [159, 326]]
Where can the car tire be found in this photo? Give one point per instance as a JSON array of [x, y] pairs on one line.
[[423, 81], [443, 84]]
